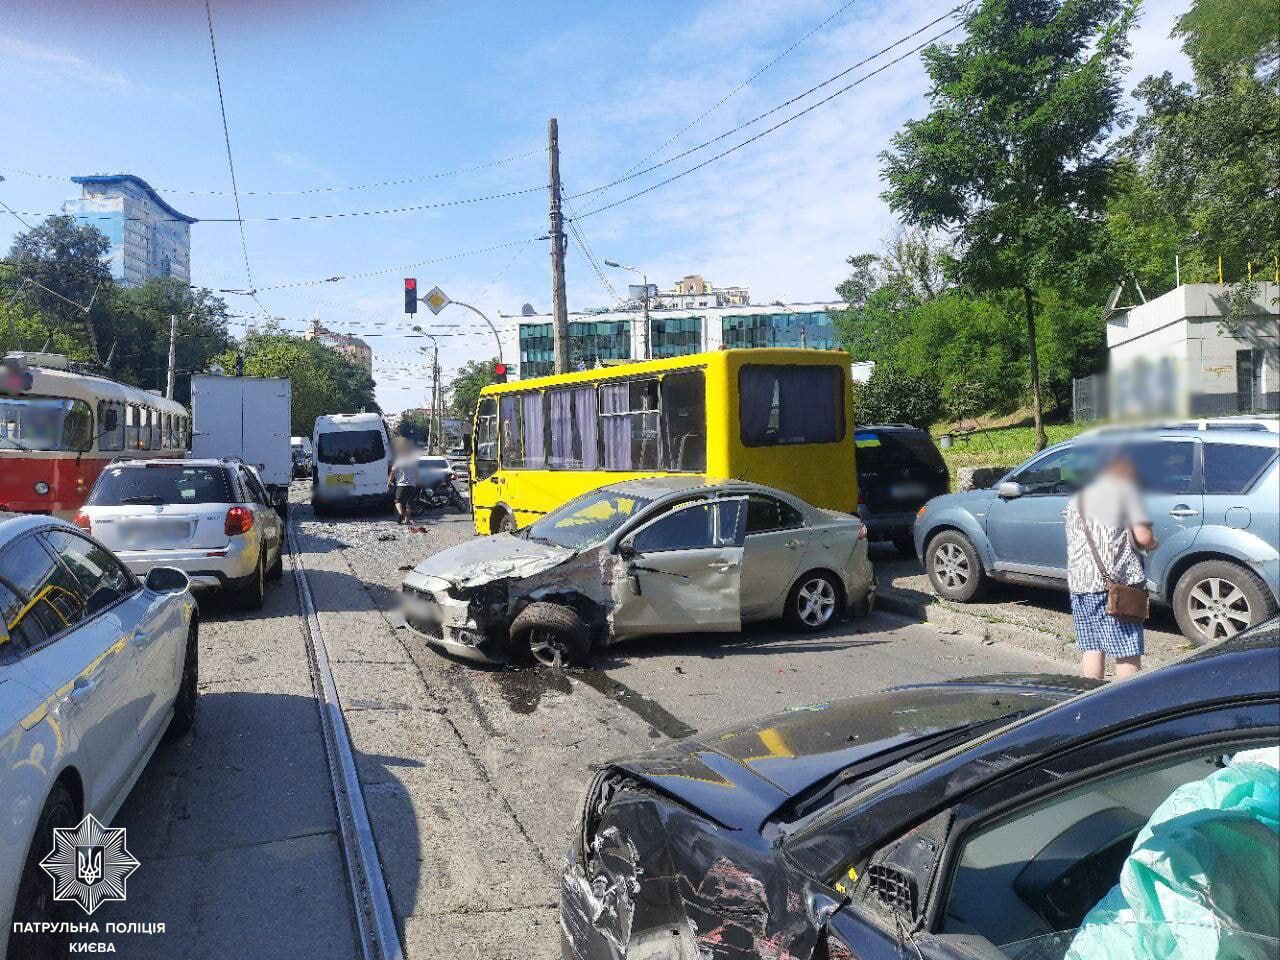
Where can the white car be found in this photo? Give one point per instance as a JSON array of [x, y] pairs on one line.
[[668, 555], [96, 668], [353, 453], [212, 519]]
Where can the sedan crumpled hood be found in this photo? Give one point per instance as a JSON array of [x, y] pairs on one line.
[[739, 775], [499, 557]]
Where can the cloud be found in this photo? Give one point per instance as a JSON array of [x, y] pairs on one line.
[[58, 62]]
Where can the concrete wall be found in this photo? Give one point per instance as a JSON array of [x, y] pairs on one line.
[[1173, 356]]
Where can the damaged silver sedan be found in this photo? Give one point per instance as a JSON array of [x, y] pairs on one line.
[[642, 557]]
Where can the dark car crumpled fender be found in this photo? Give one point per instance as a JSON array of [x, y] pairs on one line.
[[623, 898]]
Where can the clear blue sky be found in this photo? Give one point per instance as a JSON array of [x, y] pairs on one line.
[[328, 94]]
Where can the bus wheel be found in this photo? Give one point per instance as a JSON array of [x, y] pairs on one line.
[[505, 523]]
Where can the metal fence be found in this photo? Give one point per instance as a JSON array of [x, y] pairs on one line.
[[1089, 398]]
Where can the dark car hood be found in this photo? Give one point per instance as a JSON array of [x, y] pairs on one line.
[[741, 774]]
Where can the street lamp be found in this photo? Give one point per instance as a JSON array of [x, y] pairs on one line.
[[434, 426], [644, 340]]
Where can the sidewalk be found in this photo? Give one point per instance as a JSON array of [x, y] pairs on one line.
[[1029, 617]]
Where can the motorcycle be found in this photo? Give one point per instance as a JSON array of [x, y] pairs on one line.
[[439, 495]]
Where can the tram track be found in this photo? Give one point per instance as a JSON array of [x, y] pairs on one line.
[[375, 921]]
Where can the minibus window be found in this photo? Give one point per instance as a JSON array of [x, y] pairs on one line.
[[790, 404], [629, 425], [486, 439], [684, 421], [509, 415], [571, 418]]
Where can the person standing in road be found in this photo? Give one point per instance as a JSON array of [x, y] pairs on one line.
[[1107, 527], [403, 472]]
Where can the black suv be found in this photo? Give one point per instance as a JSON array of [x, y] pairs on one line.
[[899, 469]]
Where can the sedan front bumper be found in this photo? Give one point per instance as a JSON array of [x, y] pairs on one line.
[[444, 620]]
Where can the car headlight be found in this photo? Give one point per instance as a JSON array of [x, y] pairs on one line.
[[42, 487]]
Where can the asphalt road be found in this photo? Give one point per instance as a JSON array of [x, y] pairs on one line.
[[472, 776]]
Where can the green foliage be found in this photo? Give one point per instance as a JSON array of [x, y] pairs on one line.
[[464, 389], [414, 424], [57, 268], [1223, 35], [893, 396], [1009, 161], [324, 381], [1003, 446]]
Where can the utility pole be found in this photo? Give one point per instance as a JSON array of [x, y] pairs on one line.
[[559, 310], [173, 355], [644, 333], [435, 398]]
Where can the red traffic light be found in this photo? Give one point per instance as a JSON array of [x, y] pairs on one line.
[[410, 295], [499, 373], [410, 283]]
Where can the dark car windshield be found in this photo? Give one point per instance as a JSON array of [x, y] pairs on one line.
[[351, 446], [160, 484], [588, 520], [880, 449]]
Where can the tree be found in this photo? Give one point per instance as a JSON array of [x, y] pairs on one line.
[[323, 380], [1009, 161], [57, 267], [137, 330], [472, 377], [892, 396], [415, 425]]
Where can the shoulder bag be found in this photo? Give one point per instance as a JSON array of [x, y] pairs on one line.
[[1131, 604]]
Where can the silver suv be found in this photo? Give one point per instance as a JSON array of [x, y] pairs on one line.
[[1213, 492], [212, 519]]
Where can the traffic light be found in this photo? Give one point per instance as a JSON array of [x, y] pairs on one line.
[[410, 295], [499, 373]]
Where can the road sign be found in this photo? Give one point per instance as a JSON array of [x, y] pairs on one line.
[[436, 300]]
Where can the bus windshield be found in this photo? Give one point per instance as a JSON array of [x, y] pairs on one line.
[[45, 423], [586, 521]]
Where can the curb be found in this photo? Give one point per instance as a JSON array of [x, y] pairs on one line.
[[985, 628]]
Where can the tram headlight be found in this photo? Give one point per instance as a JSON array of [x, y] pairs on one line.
[[42, 487]]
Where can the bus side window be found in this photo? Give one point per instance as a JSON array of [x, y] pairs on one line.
[[511, 453], [572, 425], [629, 425], [485, 441], [684, 421], [784, 404]]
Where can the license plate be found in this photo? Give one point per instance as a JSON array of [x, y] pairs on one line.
[[906, 491], [340, 479], [154, 531]]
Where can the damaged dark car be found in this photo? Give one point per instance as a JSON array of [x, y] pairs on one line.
[[997, 817]]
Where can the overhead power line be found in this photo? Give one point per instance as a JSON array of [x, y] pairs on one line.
[[793, 100], [397, 181], [226, 137], [738, 89], [764, 133]]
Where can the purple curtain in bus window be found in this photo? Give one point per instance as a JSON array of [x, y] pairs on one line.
[[615, 430], [808, 409], [535, 434], [584, 409], [561, 420], [755, 402]]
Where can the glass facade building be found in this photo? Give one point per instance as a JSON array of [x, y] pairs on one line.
[[784, 329], [674, 336], [589, 341]]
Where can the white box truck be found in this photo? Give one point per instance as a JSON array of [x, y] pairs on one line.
[[249, 418]]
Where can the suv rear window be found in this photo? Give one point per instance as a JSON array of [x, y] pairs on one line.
[[161, 485], [351, 446], [878, 449], [1232, 467]]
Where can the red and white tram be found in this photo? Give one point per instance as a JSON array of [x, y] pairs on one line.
[[59, 428]]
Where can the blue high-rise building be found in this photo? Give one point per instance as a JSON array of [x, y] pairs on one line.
[[148, 237]]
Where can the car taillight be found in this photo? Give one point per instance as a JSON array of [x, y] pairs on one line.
[[239, 520], [81, 520]]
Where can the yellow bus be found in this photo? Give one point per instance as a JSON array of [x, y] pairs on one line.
[[782, 417]]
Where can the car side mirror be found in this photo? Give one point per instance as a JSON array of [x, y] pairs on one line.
[[627, 550], [167, 580], [1009, 490]]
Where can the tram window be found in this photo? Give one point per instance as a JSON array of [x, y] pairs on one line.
[[110, 425], [168, 431]]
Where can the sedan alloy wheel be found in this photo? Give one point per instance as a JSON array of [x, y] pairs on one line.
[[1218, 608], [951, 566], [816, 602]]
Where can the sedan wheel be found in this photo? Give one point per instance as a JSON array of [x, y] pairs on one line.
[[1218, 608], [548, 648], [951, 566], [814, 602], [954, 568]]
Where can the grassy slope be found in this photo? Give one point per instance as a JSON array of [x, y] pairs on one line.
[[1002, 446]]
